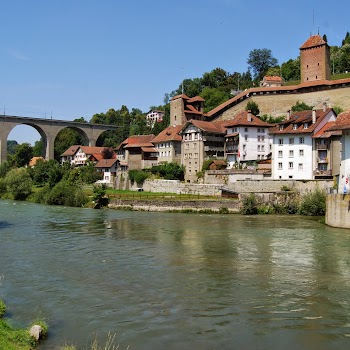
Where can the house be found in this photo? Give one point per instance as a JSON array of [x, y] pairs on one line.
[[271, 81], [342, 124], [294, 153], [154, 116], [247, 139], [79, 155], [201, 140], [109, 169], [168, 145], [137, 152]]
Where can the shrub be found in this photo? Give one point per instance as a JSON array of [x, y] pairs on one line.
[[66, 194], [138, 176], [249, 204], [2, 308], [19, 183], [313, 203]]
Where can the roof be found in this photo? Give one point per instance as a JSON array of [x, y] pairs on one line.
[[138, 141], [34, 160], [241, 119], [192, 110], [299, 118], [218, 162], [180, 96], [273, 89], [70, 151], [342, 122], [273, 78], [106, 163], [149, 150], [195, 99], [314, 40], [325, 132], [92, 149], [171, 133], [211, 127]]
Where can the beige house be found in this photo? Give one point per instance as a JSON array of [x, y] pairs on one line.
[[168, 145], [137, 152], [201, 140]]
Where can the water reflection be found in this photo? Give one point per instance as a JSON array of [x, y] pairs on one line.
[[177, 281]]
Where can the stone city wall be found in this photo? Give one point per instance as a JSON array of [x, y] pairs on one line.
[[338, 210]]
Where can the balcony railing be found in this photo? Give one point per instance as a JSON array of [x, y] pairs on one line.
[[323, 172], [321, 146], [322, 160]]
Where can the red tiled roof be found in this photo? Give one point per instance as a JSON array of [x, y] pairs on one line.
[[92, 149], [241, 119], [205, 126], [195, 99], [232, 135], [106, 163], [314, 40], [180, 96], [70, 151], [300, 118], [138, 141], [171, 133], [149, 150], [192, 110], [271, 89], [342, 122], [273, 78], [34, 160], [324, 132]]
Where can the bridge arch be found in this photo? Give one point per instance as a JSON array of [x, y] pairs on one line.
[[48, 130]]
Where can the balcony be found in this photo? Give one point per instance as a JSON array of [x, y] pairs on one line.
[[322, 160], [323, 172], [213, 148], [231, 150], [321, 146]]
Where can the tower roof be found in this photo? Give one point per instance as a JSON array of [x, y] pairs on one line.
[[314, 40]]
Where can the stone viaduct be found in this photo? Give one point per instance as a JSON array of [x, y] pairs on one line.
[[48, 130]]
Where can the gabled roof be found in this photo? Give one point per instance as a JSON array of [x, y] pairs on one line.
[[185, 97], [137, 141], [70, 151], [325, 131], [149, 150], [241, 119], [91, 149], [314, 40], [195, 99], [171, 133], [34, 160], [272, 78], [342, 122], [211, 127], [192, 110], [106, 163], [300, 118]]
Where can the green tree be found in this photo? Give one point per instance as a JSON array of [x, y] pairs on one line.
[[11, 146], [38, 148], [23, 154], [18, 183], [260, 60], [213, 97], [291, 69], [5, 167], [253, 107], [65, 139], [301, 106]]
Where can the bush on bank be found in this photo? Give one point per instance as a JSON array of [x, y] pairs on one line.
[[311, 204]]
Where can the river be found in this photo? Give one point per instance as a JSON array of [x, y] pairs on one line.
[[175, 281]]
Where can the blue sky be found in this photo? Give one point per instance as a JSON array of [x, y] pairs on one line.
[[75, 58]]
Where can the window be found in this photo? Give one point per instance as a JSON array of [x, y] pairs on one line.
[[244, 147], [280, 154], [280, 141], [301, 140], [301, 153], [290, 165], [295, 126], [280, 167], [245, 129], [306, 125], [281, 127], [291, 154], [245, 137], [300, 166], [258, 148], [291, 140]]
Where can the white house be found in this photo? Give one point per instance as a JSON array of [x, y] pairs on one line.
[[247, 138], [109, 169], [154, 116], [294, 153]]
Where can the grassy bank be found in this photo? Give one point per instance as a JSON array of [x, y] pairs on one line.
[[12, 338]]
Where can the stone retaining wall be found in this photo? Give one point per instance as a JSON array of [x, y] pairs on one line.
[[338, 210]]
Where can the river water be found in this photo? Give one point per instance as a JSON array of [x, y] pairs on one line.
[[175, 281]]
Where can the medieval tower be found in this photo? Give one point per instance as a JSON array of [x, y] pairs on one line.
[[314, 60]]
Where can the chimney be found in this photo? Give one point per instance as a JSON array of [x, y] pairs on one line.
[[313, 116], [249, 116], [288, 114], [324, 106]]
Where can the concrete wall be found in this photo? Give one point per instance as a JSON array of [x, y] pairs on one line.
[[338, 210]]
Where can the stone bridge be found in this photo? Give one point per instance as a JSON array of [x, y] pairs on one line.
[[48, 130]]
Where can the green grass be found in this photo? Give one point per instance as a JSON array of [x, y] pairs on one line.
[[12, 338]]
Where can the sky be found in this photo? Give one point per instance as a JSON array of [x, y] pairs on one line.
[[75, 58]]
